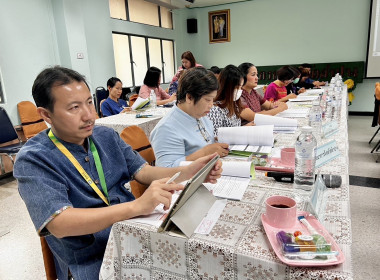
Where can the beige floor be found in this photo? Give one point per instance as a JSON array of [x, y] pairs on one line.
[[20, 253]]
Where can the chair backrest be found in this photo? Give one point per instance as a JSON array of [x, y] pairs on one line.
[[132, 99], [100, 94], [136, 138], [31, 121], [8, 132], [47, 255]]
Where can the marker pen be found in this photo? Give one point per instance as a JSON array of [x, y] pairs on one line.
[[281, 176]]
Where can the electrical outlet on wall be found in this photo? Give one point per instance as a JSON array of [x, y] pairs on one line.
[[80, 56]]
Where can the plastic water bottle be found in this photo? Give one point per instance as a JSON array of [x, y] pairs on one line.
[[153, 100], [306, 145], [315, 117], [328, 108]]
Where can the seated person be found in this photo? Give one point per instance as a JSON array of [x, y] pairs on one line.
[[251, 99], [59, 182], [308, 67], [294, 87], [188, 61], [185, 133], [113, 105], [152, 81], [305, 75], [173, 87], [227, 108], [216, 70], [276, 91]]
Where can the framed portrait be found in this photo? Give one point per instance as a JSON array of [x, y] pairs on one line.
[[219, 26]]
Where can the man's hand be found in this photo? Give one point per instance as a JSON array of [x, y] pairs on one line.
[[195, 166], [157, 193]]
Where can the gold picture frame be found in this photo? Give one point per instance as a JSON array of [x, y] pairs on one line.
[[219, 26]]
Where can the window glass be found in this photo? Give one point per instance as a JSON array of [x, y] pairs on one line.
[[154, 46], [143, 12], [122, 59], [117, 9], [168, 60], [166, 18], [139, 59]]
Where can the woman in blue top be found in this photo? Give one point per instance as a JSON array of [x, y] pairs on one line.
[[186, 133], [113, 104]]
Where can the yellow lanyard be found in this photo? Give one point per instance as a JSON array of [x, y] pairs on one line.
[[79, 167]]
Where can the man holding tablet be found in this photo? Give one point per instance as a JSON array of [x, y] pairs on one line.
[[73, 177]]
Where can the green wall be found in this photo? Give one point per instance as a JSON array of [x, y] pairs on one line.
[[275, 32]]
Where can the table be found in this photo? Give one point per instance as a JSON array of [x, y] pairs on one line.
[[120, 121], [237, 247]]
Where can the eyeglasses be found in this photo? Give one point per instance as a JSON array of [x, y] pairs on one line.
[[203, 131]]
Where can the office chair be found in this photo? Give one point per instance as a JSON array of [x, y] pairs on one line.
[[136, 138], [9, 141], [31, 121], [376, 117], [50, 271], [100, 94]]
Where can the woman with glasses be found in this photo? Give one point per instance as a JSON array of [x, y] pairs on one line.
[[186, 133], [227, 108], [276, 91]]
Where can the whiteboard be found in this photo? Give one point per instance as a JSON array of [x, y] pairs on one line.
[[373, 52]]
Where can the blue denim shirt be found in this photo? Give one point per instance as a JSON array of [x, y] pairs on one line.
[[49, 184]]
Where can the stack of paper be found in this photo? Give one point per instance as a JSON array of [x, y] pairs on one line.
[[247, 135], [234, 180], [281, 125], [294, 113], [304, 98], [314, 91]]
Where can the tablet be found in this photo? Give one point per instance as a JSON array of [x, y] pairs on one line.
[[191, 186]]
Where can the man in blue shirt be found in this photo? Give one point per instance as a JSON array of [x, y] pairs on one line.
[[73, 177]]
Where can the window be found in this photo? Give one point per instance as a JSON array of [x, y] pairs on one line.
[[142, 12], [135, 54]]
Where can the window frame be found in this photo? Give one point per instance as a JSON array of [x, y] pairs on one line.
[[146, 39], [2, 92], [128, 18]]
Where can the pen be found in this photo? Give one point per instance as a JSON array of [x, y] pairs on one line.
[[281, 176], [173, 178]]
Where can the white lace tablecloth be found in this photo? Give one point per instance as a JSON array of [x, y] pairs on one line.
[[120, 121], [237, 247]]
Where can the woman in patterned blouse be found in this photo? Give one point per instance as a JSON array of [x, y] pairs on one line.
[[227, 108]]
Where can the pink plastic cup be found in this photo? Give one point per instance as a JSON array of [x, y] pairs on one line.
[[288, 156], [281, 211]]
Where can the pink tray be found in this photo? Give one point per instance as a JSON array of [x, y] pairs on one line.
[[271, 233]]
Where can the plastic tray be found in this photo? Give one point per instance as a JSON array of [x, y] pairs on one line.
[[271, 233]]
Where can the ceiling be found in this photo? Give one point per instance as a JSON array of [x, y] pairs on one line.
[[180, 4]]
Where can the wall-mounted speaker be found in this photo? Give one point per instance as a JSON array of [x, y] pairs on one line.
[[192, 26]]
